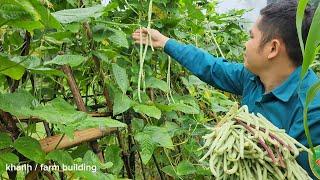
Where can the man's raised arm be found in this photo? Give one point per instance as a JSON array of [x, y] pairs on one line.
[[217, 72]]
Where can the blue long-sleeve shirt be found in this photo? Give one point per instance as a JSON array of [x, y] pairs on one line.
[[283, 106]]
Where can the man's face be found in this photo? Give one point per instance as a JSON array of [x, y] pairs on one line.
[[255, 59]]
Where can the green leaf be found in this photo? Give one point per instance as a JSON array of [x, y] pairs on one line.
[[30, 148], [113, 154], [59, 37], [146, 146], [79, 14], [196, 14], [47, 72], [157, 83], [28, 25], [118, 37], [59, 111], [151, 111], [61, 157], [137, 125], [91, 159], [121, 77], [101, 122], [11, 68], [13, 10], [39, 11], [185, 168], [80, 151], [28, 62], [72, 60], [314, 162], [172, 128], [99, 33], [73, 27], [121, 103], [184, 108], [311, 94], [178, 107], [159, 135], [5, 140], [7, 158], [312, 43], [62, 113], [170, 171], [22, 107], [33, 63], [203, 171], [105, 55], [27, 5]]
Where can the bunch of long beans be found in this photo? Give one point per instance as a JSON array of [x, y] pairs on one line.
[[143, 52], [247, 146]]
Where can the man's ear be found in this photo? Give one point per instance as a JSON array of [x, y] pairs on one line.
[[274, 48]]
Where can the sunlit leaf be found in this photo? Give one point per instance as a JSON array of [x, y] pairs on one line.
[[160, 136], [11, 68], [41, 13], [30, 148], [113, 154], [47, 71], [22, 107], [185, 168], [313, 41], [151, 111], [59, 111], [157, 83], [79, 14], [92, 159], [118, 37], [28, 25], [178, 107], [121, 77], [72, 60], [7, 158], [61, 157], [146, 146], [121, 103], [13, 10], [102, 122]]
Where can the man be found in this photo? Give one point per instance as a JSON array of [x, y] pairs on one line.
[[268, 80]]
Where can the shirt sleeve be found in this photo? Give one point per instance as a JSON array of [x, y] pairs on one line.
[[217, 72]]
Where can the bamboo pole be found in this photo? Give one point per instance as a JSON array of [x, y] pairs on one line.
[[49, 144]]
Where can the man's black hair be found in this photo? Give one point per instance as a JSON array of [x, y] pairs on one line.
[[279, 21]]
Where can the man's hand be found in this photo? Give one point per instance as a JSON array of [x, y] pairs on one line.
[[158, 39]]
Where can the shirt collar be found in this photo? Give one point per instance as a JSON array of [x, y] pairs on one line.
[[288, 87]]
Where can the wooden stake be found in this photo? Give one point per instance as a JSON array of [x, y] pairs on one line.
[[96, 61], [80, 104], [74, 88], [48, 144]]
